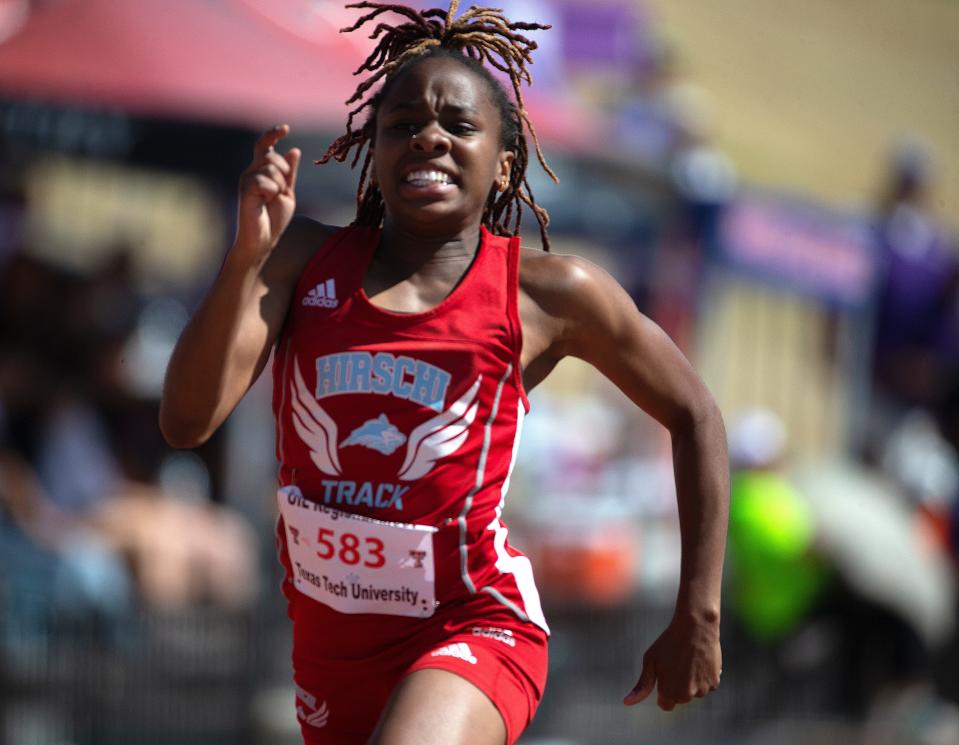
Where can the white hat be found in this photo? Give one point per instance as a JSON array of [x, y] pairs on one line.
[[757, 438]]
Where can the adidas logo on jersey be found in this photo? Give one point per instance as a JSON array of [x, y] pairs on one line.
[[322, 296], [460, 651]]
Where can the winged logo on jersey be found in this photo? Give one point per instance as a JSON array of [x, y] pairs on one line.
[[314, 426], [436, 438], [440, 436]]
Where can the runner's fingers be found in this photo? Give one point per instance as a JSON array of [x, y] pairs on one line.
[[268, 139], [645, 685], [265, 186], [279, 161], [253, 179], [271, 171], [277, 167], [272, 159], [292, 159]]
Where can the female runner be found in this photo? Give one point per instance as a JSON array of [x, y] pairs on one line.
[[404, 345]]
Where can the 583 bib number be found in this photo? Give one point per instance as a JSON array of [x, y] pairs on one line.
[[350, 552], [357, 564]]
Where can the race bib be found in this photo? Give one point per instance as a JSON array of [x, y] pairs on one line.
[[357, 564]]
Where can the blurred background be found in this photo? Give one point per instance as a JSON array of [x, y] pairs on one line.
[[775, 184]]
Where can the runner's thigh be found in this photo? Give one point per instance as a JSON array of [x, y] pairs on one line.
[[436, 707]]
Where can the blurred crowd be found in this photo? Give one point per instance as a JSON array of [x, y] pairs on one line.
[[851, 561], [98, 518]]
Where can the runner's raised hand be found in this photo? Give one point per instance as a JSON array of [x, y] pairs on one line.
[[267, 196]]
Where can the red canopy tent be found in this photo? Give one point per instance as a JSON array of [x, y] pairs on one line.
[[216, 60], [242, 62]]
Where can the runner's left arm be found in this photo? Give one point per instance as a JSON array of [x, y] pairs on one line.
[[602, 326]]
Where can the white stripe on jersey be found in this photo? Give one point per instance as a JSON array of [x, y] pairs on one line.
[[519, 566], [480, 476]]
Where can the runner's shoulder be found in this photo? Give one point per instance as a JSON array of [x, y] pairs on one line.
[[560, 284], [300, 241]]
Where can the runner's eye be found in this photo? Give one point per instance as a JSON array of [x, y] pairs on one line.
[[407, 127]]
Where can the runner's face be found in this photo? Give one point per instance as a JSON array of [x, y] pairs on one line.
[[437, 149]]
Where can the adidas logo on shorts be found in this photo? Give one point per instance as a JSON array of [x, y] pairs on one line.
[[460, 651], [322, 296]]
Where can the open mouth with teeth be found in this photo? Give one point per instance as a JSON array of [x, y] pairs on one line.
[[427, 179]]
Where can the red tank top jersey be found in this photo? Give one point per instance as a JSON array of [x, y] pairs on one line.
[[408, 417]]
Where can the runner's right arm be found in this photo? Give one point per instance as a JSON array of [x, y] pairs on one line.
[[227, 342]]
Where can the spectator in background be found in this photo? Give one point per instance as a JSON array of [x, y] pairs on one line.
[[702, 175], [916, 356], [777, 578], [645, 111], [85, 530], [925, 467], [666, 125], [833, 584], [56, 567], [702, 181]]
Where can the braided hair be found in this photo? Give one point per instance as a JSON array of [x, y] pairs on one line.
[[478, 36]]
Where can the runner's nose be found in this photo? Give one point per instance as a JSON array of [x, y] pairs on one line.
[[430, 139]]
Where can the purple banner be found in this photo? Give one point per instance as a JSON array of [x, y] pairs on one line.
[[805, 247]]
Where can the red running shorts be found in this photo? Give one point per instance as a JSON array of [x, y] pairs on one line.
[[346, 667]]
